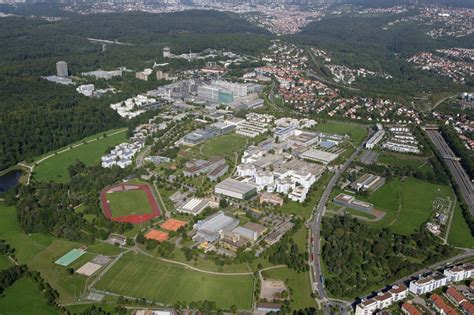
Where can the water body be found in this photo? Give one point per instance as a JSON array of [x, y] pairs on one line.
[[9, 180]]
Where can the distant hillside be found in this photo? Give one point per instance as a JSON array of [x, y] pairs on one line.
[[38, 116]]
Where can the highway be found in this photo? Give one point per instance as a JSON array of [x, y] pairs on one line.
[[459, 174], [315, 225]]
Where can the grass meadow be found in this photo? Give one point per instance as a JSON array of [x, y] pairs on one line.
[[24, 297], [55, 167], [140, 276]]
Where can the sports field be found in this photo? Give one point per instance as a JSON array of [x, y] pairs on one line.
[[24, 297], [55, 167], [356, 132], [145, 277], [128, 202]]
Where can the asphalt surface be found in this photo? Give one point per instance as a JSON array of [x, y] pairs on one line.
[[315, 225], [459, 174]]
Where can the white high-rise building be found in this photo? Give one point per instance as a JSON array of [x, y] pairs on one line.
[[166, 52], [61, 69]]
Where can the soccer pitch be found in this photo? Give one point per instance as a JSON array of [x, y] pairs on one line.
[[128, 202], [140, 276]]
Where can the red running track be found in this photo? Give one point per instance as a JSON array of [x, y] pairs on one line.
[[132, 218]]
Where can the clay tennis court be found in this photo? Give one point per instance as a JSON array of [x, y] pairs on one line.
[[172, 224], [156, 235], [133, 217]]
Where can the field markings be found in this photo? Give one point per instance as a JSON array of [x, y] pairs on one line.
[[192, 267]]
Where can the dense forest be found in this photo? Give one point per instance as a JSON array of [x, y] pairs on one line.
[[361, 258], [49, 208], [39, 116]]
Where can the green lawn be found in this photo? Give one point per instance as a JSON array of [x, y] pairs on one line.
[[26, 246], [356, 132], [128, 202], [224, 145], [68, 286], [5, 262], [414, 197], [145, 277], [298, 284], [399, 160], [417, 200], [24, 297], [55, 167], [459, 234]]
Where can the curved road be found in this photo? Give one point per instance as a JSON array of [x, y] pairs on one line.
[[315, 225]]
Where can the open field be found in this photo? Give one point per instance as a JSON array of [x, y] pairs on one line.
[[27, 246], [40, 251], [24, 297], [55, 167], [459, 234], [407, 203], [356, 132], [69, 286], [297, 283], [128, 202], [224, 145], [144, 277], [400, 160], [5, 262]]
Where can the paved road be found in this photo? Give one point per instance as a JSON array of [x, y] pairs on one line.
[[315, 226], [459, 174]]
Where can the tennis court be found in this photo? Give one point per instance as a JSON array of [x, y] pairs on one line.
[[157, 235], [172, 224], [70, 257]]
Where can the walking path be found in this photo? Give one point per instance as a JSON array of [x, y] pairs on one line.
[[31, 167]]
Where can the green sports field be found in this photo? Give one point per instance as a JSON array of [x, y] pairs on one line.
[[24, 297], [140, 276], [55, 167], [128, 202]]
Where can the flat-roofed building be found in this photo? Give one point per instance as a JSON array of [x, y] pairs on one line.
[[353, 203], [375, 139], [318, 156], [235, 189], [270, 198], [460, 273], [251, 231], [427, 284], [209, 229], [194, 206], [368, 182]]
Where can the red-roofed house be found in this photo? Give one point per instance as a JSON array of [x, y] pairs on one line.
[[441, 307], [468, 307], [409, 309], [454, 296]]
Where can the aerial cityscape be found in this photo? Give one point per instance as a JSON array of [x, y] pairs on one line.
[[170, 157]]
